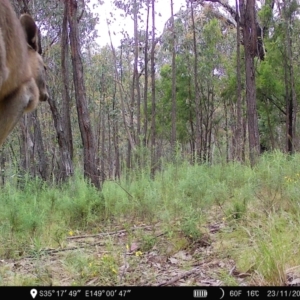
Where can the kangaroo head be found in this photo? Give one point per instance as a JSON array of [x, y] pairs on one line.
[[35, 61]]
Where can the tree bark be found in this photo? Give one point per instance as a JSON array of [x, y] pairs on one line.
[[39, 147], [174, 108], [87, 136], [238, 125], [2, 166], [103, 152], [136, 82], [153, 100], [198, 130], [146, 79], [290, 95], [117, 172], [248, 21], [66, 120], [65, 161], [26, 146]]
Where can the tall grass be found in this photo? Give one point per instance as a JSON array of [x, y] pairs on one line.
[[260, 207]]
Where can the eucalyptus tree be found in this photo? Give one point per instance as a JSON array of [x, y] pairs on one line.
[[174, 108], [198, 100], [101, 86], [246, 13], [135, 54], [278, 76], [203, 37], [153, 92], [288, 15], [87, 135]]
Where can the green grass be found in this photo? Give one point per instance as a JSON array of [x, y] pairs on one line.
[[259, 208]]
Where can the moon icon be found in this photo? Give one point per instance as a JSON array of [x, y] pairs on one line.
[[223, 293]]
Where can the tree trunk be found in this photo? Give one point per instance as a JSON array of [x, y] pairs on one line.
[[136, 81], [173, 133], [117, 173], [291, 97], [237, 151], [191, 116], [153, 106], [198, 130], [26, 147], [90, 158], [146, 79], [121, 95], [2, 166], [103, 152], [38, 145], [66, 119], [62, 123], [248, 22], [226, 132], [209, 129], [65, 161]]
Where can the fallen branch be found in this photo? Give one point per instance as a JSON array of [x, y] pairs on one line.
[[107, 233], [186, 274]]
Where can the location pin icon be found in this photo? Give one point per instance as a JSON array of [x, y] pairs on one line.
[[33, 293]]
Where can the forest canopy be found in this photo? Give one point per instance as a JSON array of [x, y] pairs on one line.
[[220, 83]]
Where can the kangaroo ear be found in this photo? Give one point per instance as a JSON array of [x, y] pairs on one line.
[[31, 31]]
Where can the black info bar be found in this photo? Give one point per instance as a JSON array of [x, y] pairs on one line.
[[213, 293]]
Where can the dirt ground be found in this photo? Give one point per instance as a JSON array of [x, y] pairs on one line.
[[162, 265], [195, 264]]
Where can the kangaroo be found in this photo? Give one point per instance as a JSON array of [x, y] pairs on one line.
[[22, 70]]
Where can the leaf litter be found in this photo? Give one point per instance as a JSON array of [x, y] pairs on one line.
[[196, 264]]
